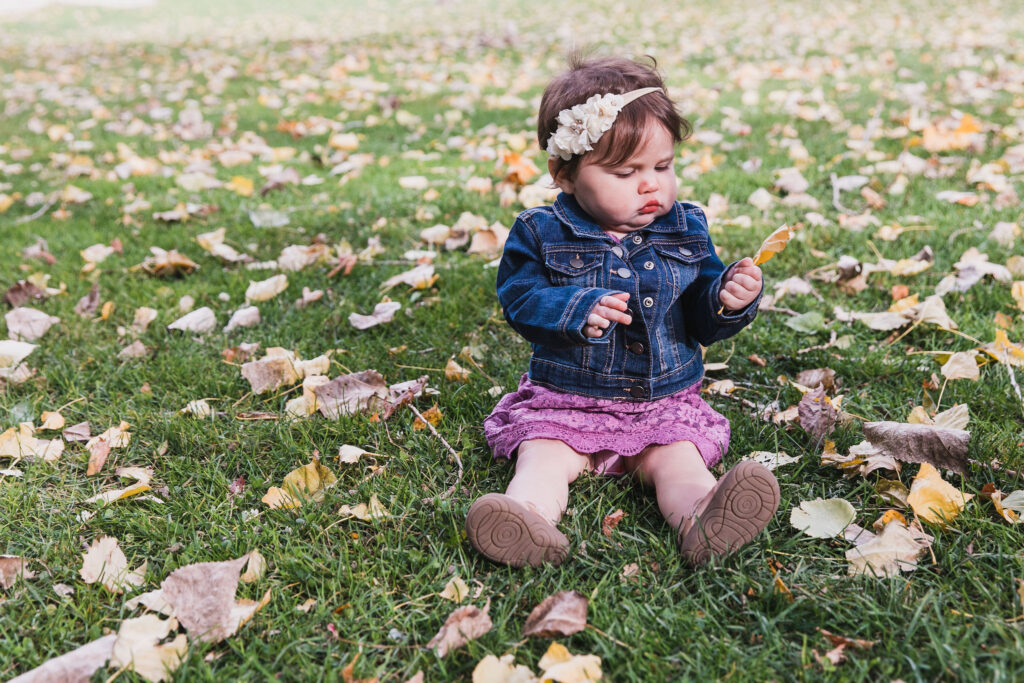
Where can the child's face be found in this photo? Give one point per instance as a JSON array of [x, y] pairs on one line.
[[630, 196]]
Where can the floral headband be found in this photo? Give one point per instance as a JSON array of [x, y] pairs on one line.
[[581, 126]]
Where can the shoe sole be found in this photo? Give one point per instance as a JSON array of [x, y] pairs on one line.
[[746, 501], [506, 531]]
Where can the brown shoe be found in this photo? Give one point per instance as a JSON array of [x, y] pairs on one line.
[[738, 508], [506, 531]]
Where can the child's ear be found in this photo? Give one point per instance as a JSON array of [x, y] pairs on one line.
[[560, 178]]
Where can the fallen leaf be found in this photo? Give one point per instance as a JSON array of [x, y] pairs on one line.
[[118, 494], [558, 664], [771, 460], [818, 415], [896, 549], [78, 665], [77, 432], [490, 669], [202, 596], [13, 568], [306, 482], [558, 615], [137, 647], [933, 499], [28, 324], [365, 511], [822, 518], [453, 372], [382, 313], [351, 393], [463, 625], [168, 263], [254, 567], [937, 446], [455, 590], [611, 521], [248, 316], [826, 377], [200, 321], [961, 365], [106, 563], [264, 290], [432, 415], [855, 643], [420, 277]]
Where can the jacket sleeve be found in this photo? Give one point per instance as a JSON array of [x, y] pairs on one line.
[[706, 319], [541, 312]]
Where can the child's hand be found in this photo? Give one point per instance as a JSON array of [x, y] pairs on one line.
[[611, 309], [742, 286]]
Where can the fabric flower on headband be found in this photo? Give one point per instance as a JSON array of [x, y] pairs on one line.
[[581, 126]]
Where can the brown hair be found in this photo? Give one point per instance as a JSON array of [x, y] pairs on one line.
[[600, 76]]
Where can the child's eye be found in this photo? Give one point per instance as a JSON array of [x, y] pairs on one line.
[[622, 174], [665, 167]]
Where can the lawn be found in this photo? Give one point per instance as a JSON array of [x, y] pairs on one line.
[[342, 131]]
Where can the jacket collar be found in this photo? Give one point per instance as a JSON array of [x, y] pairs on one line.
[[569, 211]]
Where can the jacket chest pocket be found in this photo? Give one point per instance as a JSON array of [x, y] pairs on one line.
[[683, 260], [574, 268]]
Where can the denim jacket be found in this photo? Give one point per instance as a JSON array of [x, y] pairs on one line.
[[558, 263]]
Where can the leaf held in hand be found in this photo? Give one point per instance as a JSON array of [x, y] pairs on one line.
[[773, 244]]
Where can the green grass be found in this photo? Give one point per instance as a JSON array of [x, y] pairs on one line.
[[376, 583]]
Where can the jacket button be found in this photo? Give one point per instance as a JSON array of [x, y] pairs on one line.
[[648, 302], [637, 239], [637, 348], [576, 262], [617, 251], [649, 265], [623, 272], [637, 391], [685, 252]]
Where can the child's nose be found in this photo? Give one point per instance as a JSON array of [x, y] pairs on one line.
[[648, 183]]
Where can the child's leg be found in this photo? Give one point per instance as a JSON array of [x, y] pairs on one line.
[[518, 527], [679, 477], [544, 470], [729, 512]]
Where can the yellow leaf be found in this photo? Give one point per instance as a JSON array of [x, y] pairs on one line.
[[1005, 351], [1017, 291], [279, 498], [240, 185], [773, 244], [308, 481], [558, 664], [455, 590], [453, 372], [433, 416], [52, 420], [933, 499], [118, 494]]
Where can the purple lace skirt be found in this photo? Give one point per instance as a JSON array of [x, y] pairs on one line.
[[607, 429]]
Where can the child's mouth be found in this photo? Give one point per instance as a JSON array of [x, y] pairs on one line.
[[650, 207]]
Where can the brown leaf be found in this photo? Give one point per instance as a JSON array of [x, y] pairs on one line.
[[855, 643], [936, 446], [432, 415], [823, 376], [87, 305], [13, 568], [168, 263], [202, 596], [462, 625], [78, 665], [409, 391], [22, 292], [817, 414], [561, 614], [352, 393], [97, 456], [270, 373], [77, 432], [611, 521]]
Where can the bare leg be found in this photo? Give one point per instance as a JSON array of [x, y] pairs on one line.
[[518, 527], [679, 477], [544, 470]]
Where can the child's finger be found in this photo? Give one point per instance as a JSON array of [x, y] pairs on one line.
[[616, 301], [613, 314], [745, 281], [595, 319]]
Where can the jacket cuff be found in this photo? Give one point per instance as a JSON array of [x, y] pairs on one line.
[[576, 313], [724, 316]]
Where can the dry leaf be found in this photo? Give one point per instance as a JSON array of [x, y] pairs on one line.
[[12, 353], [771, 460], [938, 446], [463, 625], [137, 647], [28, 324], [265, 290], [933, 499], [382, 313], [168, 263], [561, 614], [453, 372], [302, 483], [826, 377], [420, 277], [773, 244], [254, 567], [248, 316], [365, 511], [558, 664], [432, 415], [77, 432], [611, 521], [896, 549], [961, 365], [88, 304], [13, 568], [351, 454], [818, 416], [72, 667], [455, 590], [202, 596], [106, 563], [490, 669], [351, 393], [200, 321], [118, 494], [822, 518]]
